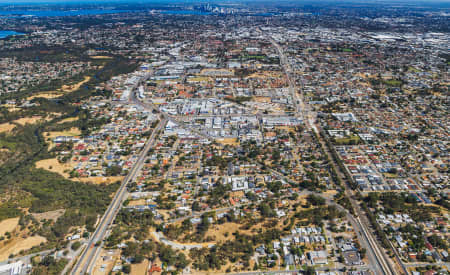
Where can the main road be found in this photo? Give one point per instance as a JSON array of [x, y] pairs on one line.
[[88, 258], [376, 255]]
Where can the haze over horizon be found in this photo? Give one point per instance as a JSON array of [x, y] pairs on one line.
[[193, 1]]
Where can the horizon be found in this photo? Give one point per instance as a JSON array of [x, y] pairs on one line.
[[216, 1]]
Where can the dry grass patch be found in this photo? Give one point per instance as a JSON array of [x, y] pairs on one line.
[[53, 165], [228, 141], [138, 202], [49, 215], [223, 232], [49, 136], [18, 244], [71, 132], [47, 95], [139, 269], [69, 119], [199, 79], [28, 120], [74, 87], [262, 99], [100, 180], [14, 109], [61, 91], [8, 225], [286, 128], [101, 57], [6, 127]]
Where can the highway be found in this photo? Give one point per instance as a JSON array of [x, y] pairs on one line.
[[90, 254], [88, 258], [377, 257], [284, 271]]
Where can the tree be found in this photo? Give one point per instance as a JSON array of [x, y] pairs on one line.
[[196, 206], [274, 186], [276, 155], [113, 170], [126, 269], [181, 261], [138, 259], [265, 210], [309, 270], [315, 200], [75, 245]]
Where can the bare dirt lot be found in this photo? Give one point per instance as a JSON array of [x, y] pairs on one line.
[[139, 269]]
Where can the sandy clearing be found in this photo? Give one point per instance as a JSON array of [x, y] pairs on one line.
[[228, 141], [16, 245], [71, 132], [8, 225], [61, 91], [138, 202], [14, 109], [47, 95], [69, 119], [219, 231], [139, 269], [154, 236], [28, 120], [6, 127], [53, 165], [74, 87], [262, 99], [101, 57], [100, 180]]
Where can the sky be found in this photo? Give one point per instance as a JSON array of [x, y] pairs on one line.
[[216, 1]]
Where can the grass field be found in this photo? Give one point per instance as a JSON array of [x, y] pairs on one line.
[[393, 82], [348, 140]]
